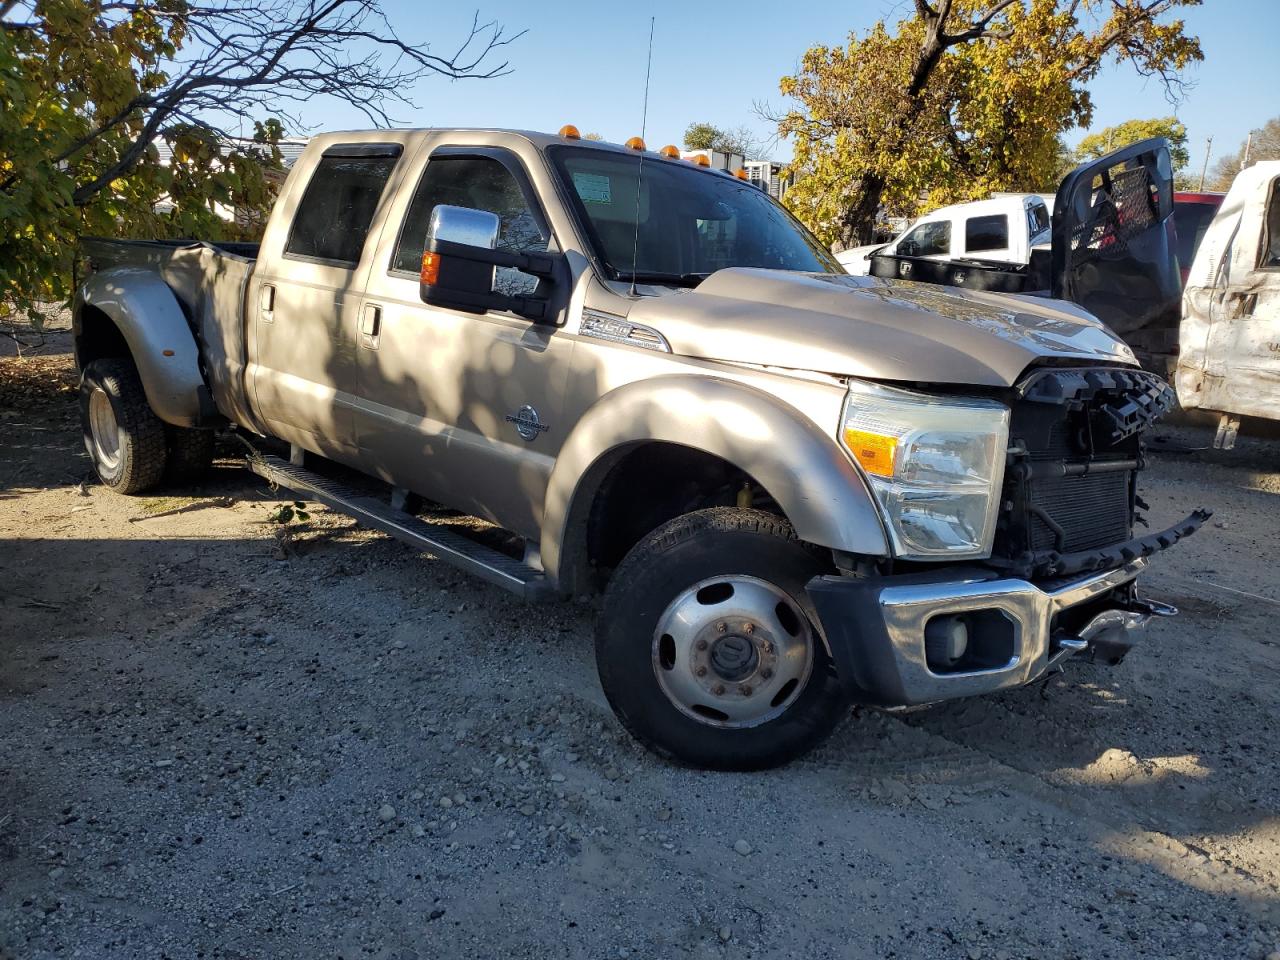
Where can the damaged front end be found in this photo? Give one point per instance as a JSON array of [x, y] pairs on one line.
[[1061, 578], [1070, 499]]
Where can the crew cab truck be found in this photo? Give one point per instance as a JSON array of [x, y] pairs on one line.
[[795, 488]]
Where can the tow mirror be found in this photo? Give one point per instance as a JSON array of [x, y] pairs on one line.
[[458, 263]]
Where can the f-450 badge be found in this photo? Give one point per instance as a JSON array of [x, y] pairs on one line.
[[527, 422]]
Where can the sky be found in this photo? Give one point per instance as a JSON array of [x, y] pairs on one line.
[[584, 63]]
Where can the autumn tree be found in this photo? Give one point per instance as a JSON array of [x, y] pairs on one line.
[[90, 90], [961, 98], [1264, 144], [1131, 131], [707, 136]]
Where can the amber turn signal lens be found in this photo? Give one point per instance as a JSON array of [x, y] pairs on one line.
[[670, 151], [635, 143], [873, 450], [430, 268], [570, 132]]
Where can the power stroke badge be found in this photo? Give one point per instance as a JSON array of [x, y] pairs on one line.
[[527, 422]]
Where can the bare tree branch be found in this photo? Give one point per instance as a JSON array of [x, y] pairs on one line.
[[240, 62]]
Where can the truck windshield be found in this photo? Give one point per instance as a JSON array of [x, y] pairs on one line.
[[691, 222]]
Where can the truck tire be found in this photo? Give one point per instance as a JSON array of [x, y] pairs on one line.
[[707, 646], [190, 454], [124, 438]]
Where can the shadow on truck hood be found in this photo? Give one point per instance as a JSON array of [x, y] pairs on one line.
[[868, 327]]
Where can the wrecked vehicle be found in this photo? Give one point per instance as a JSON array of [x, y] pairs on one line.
[[1230, 358], [793, 487]]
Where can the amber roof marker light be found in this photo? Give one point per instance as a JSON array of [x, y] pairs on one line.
[[430, 268], [670, 151], [570, 132]]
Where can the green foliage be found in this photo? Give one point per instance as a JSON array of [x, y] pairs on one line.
[[707, 136], [701, 136], [67, 78], [1131, 131], [956, 102], [288, 512], [1264, 145]]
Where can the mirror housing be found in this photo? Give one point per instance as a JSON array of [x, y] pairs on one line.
[[458, 263]]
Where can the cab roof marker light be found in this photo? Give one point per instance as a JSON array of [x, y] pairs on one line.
[[570, 132], [670, 151], [635, 143]]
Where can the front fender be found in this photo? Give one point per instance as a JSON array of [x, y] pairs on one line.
[[813, 481], [150, 319]]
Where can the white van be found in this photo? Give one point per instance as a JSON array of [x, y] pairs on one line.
[[1003, 229]]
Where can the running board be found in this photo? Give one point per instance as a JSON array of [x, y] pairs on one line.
[[463, 553]]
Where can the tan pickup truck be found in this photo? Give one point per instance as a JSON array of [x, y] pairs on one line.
[[795, 488]]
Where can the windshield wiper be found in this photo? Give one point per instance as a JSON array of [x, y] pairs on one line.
[[675, 279]]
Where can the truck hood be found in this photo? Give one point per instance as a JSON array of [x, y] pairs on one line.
[[874, 328]]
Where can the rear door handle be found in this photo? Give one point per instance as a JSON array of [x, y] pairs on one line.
[[267, 302], [370, 325]]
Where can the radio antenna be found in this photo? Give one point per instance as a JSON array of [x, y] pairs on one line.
[[644, 119]]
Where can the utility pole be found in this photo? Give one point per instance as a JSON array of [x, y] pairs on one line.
[[1208, 148], [1248, 142]]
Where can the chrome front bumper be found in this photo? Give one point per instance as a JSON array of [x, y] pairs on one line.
[[876, 629]]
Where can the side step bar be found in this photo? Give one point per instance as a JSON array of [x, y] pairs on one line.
[[474, 558]]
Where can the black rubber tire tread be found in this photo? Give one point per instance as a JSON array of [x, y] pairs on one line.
[[190, 454], [142, 435], [692, 547]]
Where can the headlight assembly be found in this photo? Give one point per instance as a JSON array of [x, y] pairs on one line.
[[935, 465]]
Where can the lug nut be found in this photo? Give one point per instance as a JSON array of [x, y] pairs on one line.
[[766, 673], [721, 627], [718, 689], [745, 689], [749, 629], [701, 644], [701, 671], [767, 647]]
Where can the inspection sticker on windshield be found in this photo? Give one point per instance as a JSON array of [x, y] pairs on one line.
[[592, 187]]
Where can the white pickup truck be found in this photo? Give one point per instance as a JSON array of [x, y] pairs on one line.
[[1005, 228], [1230, 337]]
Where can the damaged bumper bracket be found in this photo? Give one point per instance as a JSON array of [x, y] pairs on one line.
[[1054, 564]]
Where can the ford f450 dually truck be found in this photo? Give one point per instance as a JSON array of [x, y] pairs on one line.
[[794, 488]]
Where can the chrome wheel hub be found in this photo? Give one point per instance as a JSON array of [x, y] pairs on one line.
[[104, 428], [733, 651]]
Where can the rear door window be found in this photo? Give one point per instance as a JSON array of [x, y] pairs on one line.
[[338, 205], [930, 239], [986, 233], [1038, 221]]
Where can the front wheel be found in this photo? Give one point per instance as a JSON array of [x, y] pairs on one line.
[[124, 438], [707, 646]]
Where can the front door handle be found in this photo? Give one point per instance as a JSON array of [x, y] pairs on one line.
[[267, 302], [370, 326]]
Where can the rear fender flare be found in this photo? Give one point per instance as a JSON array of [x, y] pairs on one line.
[[161, 343], [817, 486]]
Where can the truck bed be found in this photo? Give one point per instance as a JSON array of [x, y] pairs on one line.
[[210, 281]]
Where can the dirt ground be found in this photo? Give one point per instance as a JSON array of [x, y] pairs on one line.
[[224, 739]]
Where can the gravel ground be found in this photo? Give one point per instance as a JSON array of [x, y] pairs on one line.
[[222, 739]]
